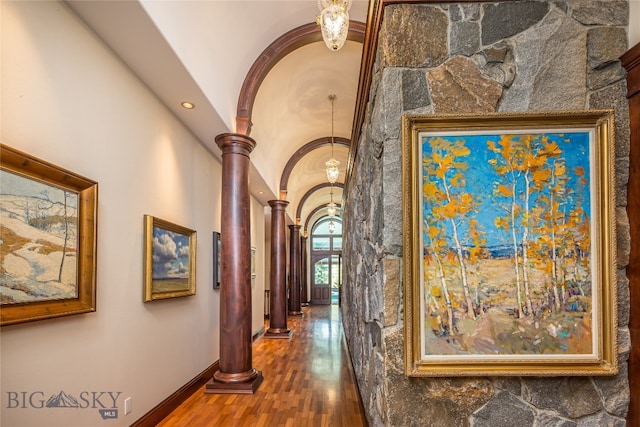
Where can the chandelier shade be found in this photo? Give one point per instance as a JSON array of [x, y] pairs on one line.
[[334, 22], [332, 170], [331, 210]]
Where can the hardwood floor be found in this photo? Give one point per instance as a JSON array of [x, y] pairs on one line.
[[308, 381]]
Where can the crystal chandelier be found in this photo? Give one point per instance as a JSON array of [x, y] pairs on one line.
[[332, 164], [331, 210], [332, 226], [334, 22]]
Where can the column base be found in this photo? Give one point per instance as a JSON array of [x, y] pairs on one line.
[[247, 387], [278, 333], [295, 314]]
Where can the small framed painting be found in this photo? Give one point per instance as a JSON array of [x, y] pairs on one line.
[[169, 260], [253, 262], [510, 244]]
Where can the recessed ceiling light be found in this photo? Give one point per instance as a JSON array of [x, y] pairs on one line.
[[188, 105]]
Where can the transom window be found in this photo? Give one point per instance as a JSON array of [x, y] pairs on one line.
[[322, 239]]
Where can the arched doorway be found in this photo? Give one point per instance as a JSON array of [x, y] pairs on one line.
[[326, 261]]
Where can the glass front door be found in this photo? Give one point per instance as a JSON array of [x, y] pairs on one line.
[[326, 263]]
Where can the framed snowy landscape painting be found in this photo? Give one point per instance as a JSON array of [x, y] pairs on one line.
[[169, 260], [509, 244], [48, 239]]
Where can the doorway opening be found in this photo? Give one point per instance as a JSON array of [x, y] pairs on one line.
[[326, 261]]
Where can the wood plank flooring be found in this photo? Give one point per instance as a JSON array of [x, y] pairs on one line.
[[308, 381]]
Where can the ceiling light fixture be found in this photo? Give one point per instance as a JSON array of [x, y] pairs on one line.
[[188, 105], [331, 210], [334, 22], [332, 164]]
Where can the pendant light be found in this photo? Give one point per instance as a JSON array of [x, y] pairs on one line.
[[334, 22], [332, 164]]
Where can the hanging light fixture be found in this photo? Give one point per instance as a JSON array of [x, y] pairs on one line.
[[332, 226], [332, 163], [334, 22], [331, 210]]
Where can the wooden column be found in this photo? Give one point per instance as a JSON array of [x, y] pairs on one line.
[[631, 61], [304, 297], [235, 373], [278, 301], [294, 271]]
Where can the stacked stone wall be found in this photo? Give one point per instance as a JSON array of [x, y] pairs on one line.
[[474, 58]]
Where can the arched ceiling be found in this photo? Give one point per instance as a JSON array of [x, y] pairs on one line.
[[201, 51]]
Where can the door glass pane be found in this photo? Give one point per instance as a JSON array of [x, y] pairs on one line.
[[321, 272], [335, 271], [321, 243], [335, 278]]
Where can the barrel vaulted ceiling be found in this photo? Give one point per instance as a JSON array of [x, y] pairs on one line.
[[202, 52]]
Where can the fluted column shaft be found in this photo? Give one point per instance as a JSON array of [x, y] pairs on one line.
[[294, 271], [278, 287], [235, 374]]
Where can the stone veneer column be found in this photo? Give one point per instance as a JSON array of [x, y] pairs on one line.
[[278, 301], [235, 373], [304, 297], [294, 271]]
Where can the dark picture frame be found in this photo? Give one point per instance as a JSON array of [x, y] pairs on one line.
[[217, 270]]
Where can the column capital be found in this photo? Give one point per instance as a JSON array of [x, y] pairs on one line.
[[278, 204], [294, 227], [235, 143]]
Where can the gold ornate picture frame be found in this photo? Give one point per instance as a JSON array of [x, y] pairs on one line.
[[49, 239], [509, 244], [169, 260]]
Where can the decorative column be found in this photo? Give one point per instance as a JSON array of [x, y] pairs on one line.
[[294, 271], [235, 373], [278, 301], [303, 270]]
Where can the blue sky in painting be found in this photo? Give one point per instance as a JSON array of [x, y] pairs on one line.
[[18, 185], [481, 176], [170, 254]]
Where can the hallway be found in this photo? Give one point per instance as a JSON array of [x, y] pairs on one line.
[[308, 380]]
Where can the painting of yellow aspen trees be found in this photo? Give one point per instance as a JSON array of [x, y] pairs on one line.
[[509, 229]]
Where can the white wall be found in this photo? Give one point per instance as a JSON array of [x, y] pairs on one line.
[[68, 100], [258, 284]]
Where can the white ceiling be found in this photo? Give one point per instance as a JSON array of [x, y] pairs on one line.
[[201, 51]]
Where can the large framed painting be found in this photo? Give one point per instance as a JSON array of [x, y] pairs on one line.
[[169, 260], [48, 223], [509, 244]]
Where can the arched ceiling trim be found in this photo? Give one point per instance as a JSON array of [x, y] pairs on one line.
[[304, 150], [313, 212], [310, 192], [283, 45]]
